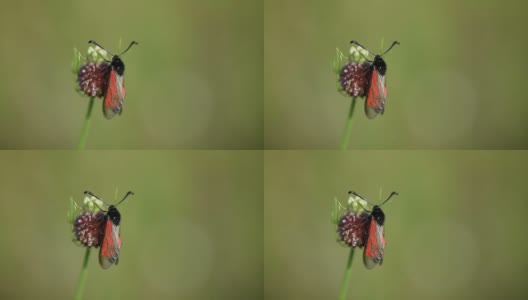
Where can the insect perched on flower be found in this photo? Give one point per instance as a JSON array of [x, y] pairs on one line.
[[352, 229], [111, 242], [377, 88], [95, 227], [361, 77], [375, 246], [114, 87], [103, 78]]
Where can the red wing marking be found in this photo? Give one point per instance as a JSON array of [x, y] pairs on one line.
[[372, 242], [373, 94], [377, 94], [108, 242], [114, 96], [109, 252], [373, 253]]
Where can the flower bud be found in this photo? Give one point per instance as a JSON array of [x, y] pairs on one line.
[[358, 54], [92, 204], [96, 54]]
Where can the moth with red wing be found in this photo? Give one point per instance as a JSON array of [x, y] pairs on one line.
[[375, 246], [114, 87], [111, 244], [377, 88]]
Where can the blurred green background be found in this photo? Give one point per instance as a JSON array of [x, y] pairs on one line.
[[455, 82], [193, 230], [457, 230], [194, 81]]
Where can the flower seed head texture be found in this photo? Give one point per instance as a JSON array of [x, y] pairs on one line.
[[352, 229], [92, 78], [354, 78], [88, 228]]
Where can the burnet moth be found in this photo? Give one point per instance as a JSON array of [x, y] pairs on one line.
[[375, 247], [114, 89], [376, 85], [111, 245]]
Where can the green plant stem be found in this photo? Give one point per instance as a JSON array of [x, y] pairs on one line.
[[86, 127], [348, 128], [346, 279], [82, 276]]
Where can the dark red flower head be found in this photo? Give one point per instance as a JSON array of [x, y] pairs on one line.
[[92, 78], [352, 228], [88, 228], [353, 78]]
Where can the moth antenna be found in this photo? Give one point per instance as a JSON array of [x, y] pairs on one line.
[[355, 42], [95, 196], [95, 43], [390, 196], [393, 44], [127, 194], [129, 46], [357, 195]]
